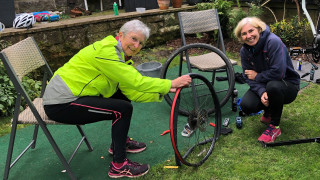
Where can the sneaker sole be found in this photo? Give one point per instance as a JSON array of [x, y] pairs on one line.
[[129, 176], [130, 151], [270, 141]]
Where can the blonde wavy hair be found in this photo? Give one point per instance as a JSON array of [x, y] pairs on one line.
[[254, 21]]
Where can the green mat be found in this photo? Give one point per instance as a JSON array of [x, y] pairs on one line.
[[148, 122]]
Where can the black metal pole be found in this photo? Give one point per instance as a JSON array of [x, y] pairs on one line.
[[298, 141]]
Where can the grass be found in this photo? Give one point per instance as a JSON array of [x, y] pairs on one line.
[[240, 156], [5, 125]]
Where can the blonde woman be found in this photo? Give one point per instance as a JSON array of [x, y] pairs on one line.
[[268, 70]]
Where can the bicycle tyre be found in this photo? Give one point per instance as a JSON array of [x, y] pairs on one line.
[[175, 54], [204, 136]]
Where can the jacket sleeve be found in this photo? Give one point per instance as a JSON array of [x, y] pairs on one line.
[[276, 55], [258, 87], [141, 97], [127, 76]]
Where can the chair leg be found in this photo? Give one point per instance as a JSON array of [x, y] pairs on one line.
[[10, 150], [35, 135], [85, 138], [57, 150], [213, 77]]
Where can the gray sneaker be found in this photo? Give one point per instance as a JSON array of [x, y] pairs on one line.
[[187, 131]]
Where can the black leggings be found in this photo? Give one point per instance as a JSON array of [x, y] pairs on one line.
[[279, 93], [92, 109]]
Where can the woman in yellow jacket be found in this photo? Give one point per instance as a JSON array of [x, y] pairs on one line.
[[99, 83]]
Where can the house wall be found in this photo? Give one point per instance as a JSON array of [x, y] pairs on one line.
[[64, 6]]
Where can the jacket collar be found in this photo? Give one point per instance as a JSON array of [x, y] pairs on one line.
[[126, 58]]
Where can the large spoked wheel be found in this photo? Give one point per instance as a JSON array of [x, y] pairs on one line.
[[176, 66], [195, 149]]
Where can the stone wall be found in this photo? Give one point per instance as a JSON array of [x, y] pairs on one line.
[[59, 41]]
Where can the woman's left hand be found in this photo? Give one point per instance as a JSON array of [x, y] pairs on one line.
[[251, 74], [264, 99], [182, 81]]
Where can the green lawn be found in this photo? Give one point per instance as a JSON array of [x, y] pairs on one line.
[[240, 156]]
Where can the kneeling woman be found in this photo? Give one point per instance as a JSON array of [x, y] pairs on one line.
[[268, 70]]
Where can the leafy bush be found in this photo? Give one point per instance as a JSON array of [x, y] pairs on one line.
[[237, 14], [8, 93], [292, 33]]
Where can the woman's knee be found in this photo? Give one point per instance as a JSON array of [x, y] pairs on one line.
[[274, 87], [248, 107], [127, 107]]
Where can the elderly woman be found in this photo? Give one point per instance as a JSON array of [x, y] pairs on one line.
[[268, 70], [99, 83]]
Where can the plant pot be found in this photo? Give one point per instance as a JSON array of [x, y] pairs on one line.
[[176, 3], [163, 4]]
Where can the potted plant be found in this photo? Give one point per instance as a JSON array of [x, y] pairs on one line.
[[163, 4], [176, 3]]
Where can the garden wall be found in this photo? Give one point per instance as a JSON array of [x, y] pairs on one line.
[[60, 40]]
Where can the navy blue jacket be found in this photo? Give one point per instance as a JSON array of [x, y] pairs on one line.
[[270, 59]]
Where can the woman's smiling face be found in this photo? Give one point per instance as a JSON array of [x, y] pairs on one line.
[[132, 42], [250, 34]]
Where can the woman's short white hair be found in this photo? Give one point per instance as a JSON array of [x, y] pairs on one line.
[[135, 26], [254, 21]]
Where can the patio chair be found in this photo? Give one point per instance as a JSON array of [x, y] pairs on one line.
[[207, 21], [19, 60]]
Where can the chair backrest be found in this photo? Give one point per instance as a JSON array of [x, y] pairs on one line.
[[19, 60], [200, 21], [22, 58]]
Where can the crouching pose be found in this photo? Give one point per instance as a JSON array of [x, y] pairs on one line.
[[268, 70]]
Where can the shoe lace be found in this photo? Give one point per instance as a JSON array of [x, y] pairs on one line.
[[131, 163], [269, 131], [132, 141]]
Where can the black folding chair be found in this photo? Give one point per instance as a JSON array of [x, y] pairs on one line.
[[19, 60]]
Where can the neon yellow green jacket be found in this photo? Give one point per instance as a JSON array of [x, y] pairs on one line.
[[99, 70]]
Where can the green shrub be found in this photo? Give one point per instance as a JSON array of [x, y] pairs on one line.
[[292, 33], [8, 93], [238, 13]]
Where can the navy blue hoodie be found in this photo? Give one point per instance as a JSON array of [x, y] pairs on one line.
[[270, 59]]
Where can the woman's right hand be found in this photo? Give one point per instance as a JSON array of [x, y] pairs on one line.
[[182, 81]]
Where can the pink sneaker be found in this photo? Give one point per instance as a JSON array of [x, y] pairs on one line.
[[131, 146], [265, 119], [270, 134], [129, 169]]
